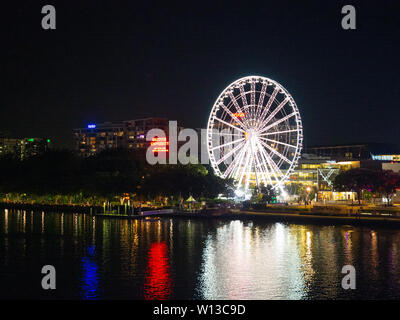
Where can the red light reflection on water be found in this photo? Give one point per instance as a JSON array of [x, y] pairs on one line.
[[158, 283]]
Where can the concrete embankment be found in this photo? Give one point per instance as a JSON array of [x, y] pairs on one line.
[[292, 218], [359, 219]]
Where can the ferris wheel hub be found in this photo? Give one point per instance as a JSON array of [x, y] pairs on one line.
[[251, 135]]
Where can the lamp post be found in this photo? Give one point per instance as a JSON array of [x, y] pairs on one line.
[[308, 189]]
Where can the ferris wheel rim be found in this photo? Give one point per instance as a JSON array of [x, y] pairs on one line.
[[256, 107]]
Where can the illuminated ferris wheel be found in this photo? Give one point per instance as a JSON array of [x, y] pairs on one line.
[[254, 133]]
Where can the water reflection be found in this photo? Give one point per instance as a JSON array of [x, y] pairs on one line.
[[158, 284], [239, 263], [100, 258], [5, 221], [90, 280]]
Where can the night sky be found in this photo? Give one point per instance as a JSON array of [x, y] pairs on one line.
[[120, 60]]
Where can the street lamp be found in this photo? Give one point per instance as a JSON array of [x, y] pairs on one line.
[[308, 189]]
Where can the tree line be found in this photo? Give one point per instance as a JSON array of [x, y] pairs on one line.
[[360, 180], [109, 174]]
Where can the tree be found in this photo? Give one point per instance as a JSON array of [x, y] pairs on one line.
[[268, 193], [294, 189], [357, 180], [389, 181], [57, 175], [306, 193]]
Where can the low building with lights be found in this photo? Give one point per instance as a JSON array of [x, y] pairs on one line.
[[319, 173], [362, 151], [9, 145], [23, 148], [319, 168]]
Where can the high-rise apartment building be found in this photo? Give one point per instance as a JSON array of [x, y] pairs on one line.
[[129, 134]]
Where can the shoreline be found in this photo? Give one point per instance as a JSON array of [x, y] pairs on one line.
[[293, 218], [286, 217], [51, 207]]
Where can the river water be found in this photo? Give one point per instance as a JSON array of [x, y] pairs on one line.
[[98, 258]]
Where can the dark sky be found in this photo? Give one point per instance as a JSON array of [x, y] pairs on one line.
[[117, 60]]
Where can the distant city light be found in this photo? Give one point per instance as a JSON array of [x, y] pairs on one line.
[[394, 157], [91, 126], [239, 114]]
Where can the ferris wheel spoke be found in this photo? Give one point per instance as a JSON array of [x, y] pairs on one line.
[[273, 113], [256, 172], [243, 95], [261, 100], [239, 110], [233, 116], [253, 99], [279, 142], [260, 169], [274, 169], [233, 134], [257, 166], [248, 173], [239, 163], [261, 152], [265, 172], [227, 144], [231, 167], [277, 122], [246, 107], [276, 152], [278, 132], [269, 103], [246, 163], [228, 124], [253, 161], [236, 171], [230, 153]]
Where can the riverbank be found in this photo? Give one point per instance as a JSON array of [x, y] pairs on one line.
[[311, 218], [113, 210], [62, 208], [302, 218], [306, 215]]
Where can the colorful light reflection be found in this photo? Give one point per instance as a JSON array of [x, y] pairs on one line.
[[158, 283], [90, 283]]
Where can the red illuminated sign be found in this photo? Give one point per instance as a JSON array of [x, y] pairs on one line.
[[159, 144]]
